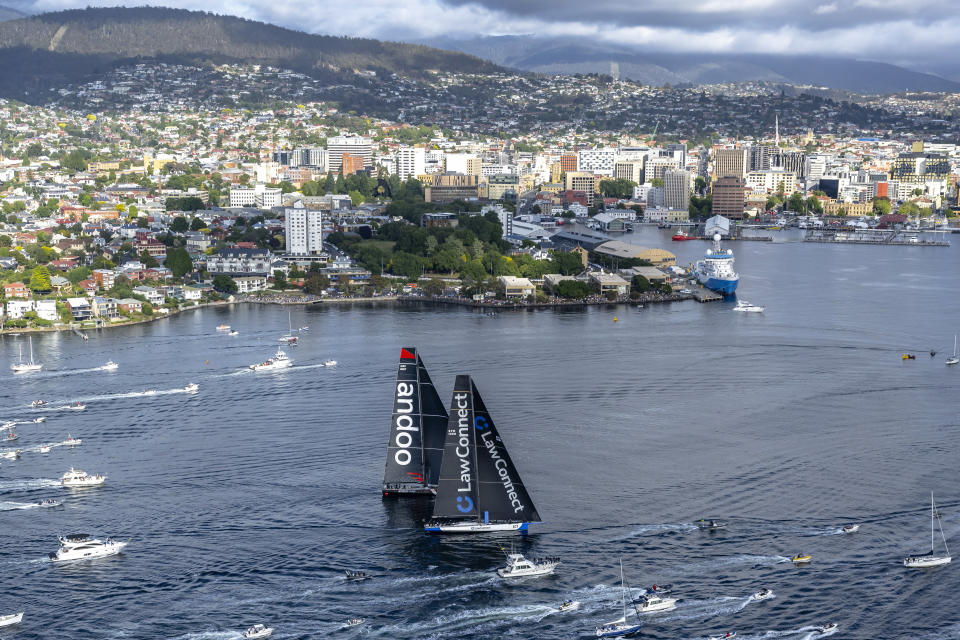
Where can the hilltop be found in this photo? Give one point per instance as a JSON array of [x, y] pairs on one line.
[[43, 52]]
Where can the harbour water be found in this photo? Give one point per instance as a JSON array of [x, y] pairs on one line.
[[245, 502]]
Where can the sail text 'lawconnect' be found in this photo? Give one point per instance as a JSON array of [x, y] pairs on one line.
[[463, 448], [501, 465]]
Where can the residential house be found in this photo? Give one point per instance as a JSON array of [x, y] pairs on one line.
[[80, 308], [241, 262], [8, 262], [105, 278], [46, 310], [246, 284], [89, 287], [60, 284], [152, 294], [16, 308], [105, 307], [130, 305], [16, 290], [197, 242]]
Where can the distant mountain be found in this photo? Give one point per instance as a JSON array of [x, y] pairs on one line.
[[9, 13], [566, 56], [42, 52]]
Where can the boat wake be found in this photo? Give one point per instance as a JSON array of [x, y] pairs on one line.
[[742, 559], [656, 529], [475, 620], [28, 485], [18, 506], [67, 372], [211, 635], [767, 635], [694, 609]]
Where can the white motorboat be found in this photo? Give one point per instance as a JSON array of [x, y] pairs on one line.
[[569, 605], [278, 361], [304, 328], [223, 328], [850, 528], [44, 448], [357, 576], [78, 407], [11, 436], [11, 619], [110, 366], [149, 392], [79, 478], [26, 367], [728, 634], [931, 559], [825, 630], [12, 454], [746, 307], [353, 622], [519, 567], [620, 628], [234, 333], [193, 387], [38, 403], [72, 442], [330, 363], [653, 603], [711, 525], [258, 631], [763, 594], [955, 359], [39, 420], [82, 547], [49, 502]]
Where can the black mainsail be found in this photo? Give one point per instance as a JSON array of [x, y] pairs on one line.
[[479, 483], [417, 426]]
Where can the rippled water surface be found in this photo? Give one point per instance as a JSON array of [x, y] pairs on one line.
[[246, 501]]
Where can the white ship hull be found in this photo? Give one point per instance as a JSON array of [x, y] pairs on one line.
[[12, 619], [475, 527], [923, 562], [108, 549]]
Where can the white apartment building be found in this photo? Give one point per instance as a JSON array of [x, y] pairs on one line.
[[769, 181], [411, 162], [599, 161], [260, 195], [354, 145], [465, 163], [303, 230]]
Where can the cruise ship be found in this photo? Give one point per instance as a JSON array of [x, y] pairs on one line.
[[716, 271]]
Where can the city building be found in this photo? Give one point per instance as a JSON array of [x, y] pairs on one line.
[[631, 170], [240, 262], [303, 230], [598, 161], [618, 249], [514, 287], [447, 187], [503, 187], [605, 283], [676, 189], [350, 164], [730, 163], [411, 162], [465, 163], [772, 181], [568, 162], [582, 181], [729, 195], [356, 146], [656, 168]]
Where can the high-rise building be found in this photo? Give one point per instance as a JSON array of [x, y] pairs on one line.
[[676, 189], [762, 157], [350, 164], [568, 162], [303, 230], [771, 181], [411, 162], [795, 161], [728, 197], [599, 161], [919, 167], [815, 168], [730, 163], [582, 181], [356, 146], [631, 170], [654, 168], [678, 151], [447, 187]]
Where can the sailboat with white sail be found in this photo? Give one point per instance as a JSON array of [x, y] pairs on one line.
[[479, 489], [931, 559], [289, 338], [955, 359], [417, 430], [620, 628], [26, 367]]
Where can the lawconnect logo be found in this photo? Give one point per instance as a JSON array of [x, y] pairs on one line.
[[480, 423], [464, 504]]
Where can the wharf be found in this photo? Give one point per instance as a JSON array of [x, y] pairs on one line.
[[705, 295], [872, 236]]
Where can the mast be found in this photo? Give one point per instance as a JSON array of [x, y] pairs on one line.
[[933, 514], [623, 593], [31, 349]]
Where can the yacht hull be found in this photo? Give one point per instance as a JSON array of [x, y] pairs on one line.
[[476, 527], [925, 562]]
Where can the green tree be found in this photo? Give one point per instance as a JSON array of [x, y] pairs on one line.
[[316, 283], [639, 284], [279, 279], [567, 263], [657, 182], [147, 309], [6, 241], [225, 284], [881, 206], [148, 260], [40, 279], [179, 225], [434, 287], [797, 203], [572, 289], [619, 188], [196, 224], [78, 274], [178, 261]]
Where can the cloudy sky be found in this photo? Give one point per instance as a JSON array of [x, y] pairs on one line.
[[899, 31]]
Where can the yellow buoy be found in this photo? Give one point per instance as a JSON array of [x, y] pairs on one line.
[[614, 318]]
